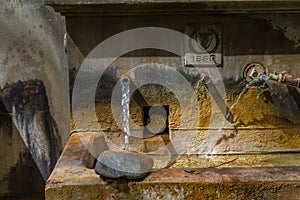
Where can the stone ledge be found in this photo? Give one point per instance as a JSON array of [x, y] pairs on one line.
[[146, 7], [72, 180]]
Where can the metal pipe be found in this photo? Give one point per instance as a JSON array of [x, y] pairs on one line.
[[125, 79], [286, 78], [205, 78], [136, 95], [216, 95]]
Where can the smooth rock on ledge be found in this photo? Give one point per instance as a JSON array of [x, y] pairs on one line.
[[117, 164]]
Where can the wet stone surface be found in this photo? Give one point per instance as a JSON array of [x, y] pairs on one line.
[[117, 164]]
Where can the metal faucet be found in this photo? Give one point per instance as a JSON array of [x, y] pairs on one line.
[[254, 70], [285, 78]]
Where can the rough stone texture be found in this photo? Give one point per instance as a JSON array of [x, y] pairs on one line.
[[33, 87], [155, 143], [242, 178], [125, 164]]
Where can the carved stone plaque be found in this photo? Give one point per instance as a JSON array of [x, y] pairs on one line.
[[208, 47]]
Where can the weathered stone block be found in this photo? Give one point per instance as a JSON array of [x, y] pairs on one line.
[[118, 164]]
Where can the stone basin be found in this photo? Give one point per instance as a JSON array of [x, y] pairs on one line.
[[248, 176]]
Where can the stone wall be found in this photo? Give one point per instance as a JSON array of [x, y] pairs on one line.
[[34, 99], [269, 39]]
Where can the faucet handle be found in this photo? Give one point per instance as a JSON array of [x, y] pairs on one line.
[[253, 70]]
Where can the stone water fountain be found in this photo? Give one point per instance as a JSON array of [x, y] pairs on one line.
[[240, 136]]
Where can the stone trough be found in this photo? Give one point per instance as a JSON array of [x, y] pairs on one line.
[[270, 176]]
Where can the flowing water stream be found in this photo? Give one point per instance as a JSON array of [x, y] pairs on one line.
[[211, 139], [259, 81], [125, 110]]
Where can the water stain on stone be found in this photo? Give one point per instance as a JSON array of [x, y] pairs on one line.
[[28, 101], [24, 171]]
